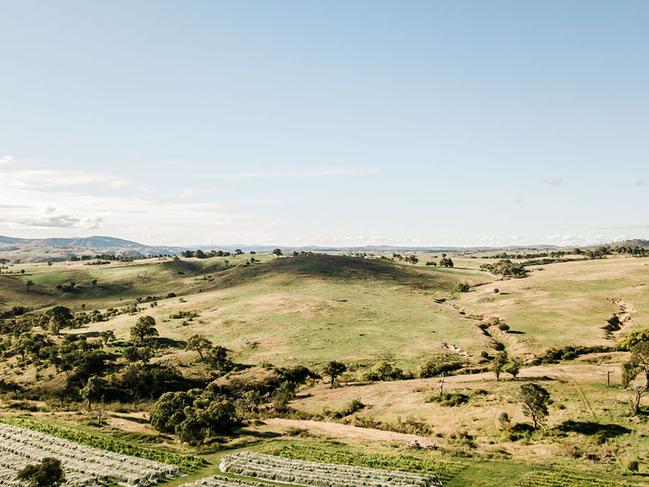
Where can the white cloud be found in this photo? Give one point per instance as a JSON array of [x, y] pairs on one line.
[[640, 182], [6, 160]]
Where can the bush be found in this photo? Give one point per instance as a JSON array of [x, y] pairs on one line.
[[462, 287], [351, 408], [449, 399], [48, 473], [442, 364], [633, 466]]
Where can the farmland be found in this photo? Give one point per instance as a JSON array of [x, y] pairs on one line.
[[245, 345]]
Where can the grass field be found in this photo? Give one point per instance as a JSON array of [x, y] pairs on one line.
[[313, 309]]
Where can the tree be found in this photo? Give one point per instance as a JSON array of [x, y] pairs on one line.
[[499, 364], [334, 369], [48, 473], [107, 336], [218, 358], [534, 400], [445, 261], [199, 344], [143, 329], [277, 252], [462, 287], [28, 284], [513, 367], [134, 354], [56, 318], [640, 359], [639, 364], [94, 390]]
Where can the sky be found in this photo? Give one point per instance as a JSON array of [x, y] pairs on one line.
[[325, 123]]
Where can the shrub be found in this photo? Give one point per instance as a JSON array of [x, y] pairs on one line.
[[48, 473], [351, 408], [462, 287], [442, 364], [449, 399]]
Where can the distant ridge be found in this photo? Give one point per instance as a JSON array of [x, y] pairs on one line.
[[97, 242], [106, 242]]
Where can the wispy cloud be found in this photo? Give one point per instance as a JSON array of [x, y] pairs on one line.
[[295, 174], [640, 182], [553, 182], [6, 160]]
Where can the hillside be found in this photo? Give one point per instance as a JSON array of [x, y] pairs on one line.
[[392, 324]]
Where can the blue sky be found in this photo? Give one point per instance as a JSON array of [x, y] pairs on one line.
[[337, 123]]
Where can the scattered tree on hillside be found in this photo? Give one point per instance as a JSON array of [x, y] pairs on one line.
[[445, 261], [143, 329], [334, 369], [462, 287], [29, 284], [93, 391], [513, 367], [499, 362], [56, 318], [107, 337], [413, 259], [198, 344], [638, 364], [277, 252], [534, 400]]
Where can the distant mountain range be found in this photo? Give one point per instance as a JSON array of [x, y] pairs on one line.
[[64, 247], [97, 242]]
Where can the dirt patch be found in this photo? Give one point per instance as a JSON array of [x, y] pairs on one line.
[[348, 432]]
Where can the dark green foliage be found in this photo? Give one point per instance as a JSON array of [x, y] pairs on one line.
[[48, 473], [506, 268], [385, 371], [353, 407], [634, 338], [334, 369], [442, 364], [534, 399], [449, 399], [462, 287], [143, 329], [195, 416]]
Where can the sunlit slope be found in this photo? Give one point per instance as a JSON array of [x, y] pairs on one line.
[[568, 303], [114, 284], [317, 308]]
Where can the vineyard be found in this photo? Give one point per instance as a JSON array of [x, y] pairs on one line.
[[301, 472], [83, 465], [223, 482]]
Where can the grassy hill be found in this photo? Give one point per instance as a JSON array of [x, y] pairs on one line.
[[311, 309], [307, 309]]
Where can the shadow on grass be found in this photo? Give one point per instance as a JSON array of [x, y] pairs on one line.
[[591, 428]]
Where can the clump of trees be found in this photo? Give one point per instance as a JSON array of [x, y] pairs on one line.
[[196, 416], [506, 268], [445, 261]]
